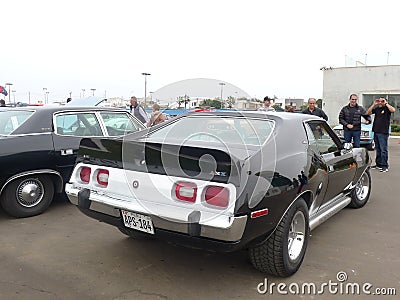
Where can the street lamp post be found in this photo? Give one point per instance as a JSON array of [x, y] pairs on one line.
[[83, 93], [9, 92], [145, 86], [47, 96], [151, 97], [222, 88], [92, 91], [44, 95], [14, 91]]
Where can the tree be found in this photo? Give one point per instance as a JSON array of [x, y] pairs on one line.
[[179, 101], [278, 107], [186, 100], [212, 103], [231, 101]]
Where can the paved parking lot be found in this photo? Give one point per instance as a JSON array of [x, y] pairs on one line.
[[63, 254]]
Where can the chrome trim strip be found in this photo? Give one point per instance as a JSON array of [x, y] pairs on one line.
[[328, 211], [28, 134]]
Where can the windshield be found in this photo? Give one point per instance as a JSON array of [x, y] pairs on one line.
[[10, 120], [217, 129]]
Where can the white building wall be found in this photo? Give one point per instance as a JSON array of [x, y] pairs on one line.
[[339, 83]]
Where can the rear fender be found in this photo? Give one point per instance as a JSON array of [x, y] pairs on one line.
[[56, 176]]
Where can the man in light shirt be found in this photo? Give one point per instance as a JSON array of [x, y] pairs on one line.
[[267, 105]]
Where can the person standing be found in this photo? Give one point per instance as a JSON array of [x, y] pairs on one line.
[[2, 103], [156, 117], [350, 117], [313, 110], [267, 105], [138, 111], [382, 111]]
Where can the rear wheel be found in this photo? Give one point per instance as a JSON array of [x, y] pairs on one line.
[[28, 196], [361, 192], [283, 252]]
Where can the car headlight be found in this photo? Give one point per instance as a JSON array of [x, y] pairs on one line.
[[339, 132]]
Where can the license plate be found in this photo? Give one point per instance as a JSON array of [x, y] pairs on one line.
[[137, 221]]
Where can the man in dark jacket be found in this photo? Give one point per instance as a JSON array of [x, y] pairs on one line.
[[350, 118], [313, 110], [382, 111]]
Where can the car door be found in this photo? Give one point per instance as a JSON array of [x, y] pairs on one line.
[[69, 129], [340, 164]]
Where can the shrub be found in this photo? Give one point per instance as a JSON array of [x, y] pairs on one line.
[[395, 127]]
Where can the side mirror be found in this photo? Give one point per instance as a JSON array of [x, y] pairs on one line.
[[347, 146]]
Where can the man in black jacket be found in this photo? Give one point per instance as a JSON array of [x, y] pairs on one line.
[[350, 118], [313, 110], [382, 111]]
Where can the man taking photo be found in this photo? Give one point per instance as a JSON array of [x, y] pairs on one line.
[[382, 111]]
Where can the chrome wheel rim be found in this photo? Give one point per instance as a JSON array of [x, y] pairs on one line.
[[362, 187], [296, 236], [29, 192]]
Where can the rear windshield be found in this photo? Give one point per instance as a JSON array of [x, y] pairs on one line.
[[229, 130], [10, 120]]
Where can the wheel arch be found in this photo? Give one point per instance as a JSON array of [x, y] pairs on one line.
[[308, 198], [54, 175]]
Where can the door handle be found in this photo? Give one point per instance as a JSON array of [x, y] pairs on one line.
[[67, 152]]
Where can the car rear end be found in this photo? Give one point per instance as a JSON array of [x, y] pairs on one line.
[[199, 206], [184, 189]]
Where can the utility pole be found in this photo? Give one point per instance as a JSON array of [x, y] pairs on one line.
[[145, 87]]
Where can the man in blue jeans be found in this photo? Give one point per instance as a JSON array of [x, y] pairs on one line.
[[350, 118], [382, 111]]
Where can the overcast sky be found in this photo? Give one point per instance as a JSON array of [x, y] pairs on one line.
[[263, 47]]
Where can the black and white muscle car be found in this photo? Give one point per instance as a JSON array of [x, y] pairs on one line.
[[224, 181]]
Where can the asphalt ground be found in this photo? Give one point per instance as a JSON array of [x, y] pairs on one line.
[[63, 254]]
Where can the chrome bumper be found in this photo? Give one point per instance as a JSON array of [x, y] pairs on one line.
[[232, 233]]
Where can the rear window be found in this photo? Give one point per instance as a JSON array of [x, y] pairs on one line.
[[10, 120], [216, 129]]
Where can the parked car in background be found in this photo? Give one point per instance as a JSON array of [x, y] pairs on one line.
[[367, 135], [224, 181], [38, 148]]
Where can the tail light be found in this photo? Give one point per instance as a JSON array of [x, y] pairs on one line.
[[186, 191], [102, 177], [217, 196], [85, 174]]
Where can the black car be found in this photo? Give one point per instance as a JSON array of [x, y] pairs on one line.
[[224, 181], [38, 148]]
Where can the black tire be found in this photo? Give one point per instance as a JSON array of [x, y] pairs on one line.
[[273, 256], [28, 196], [132, 233], [360, 194]]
